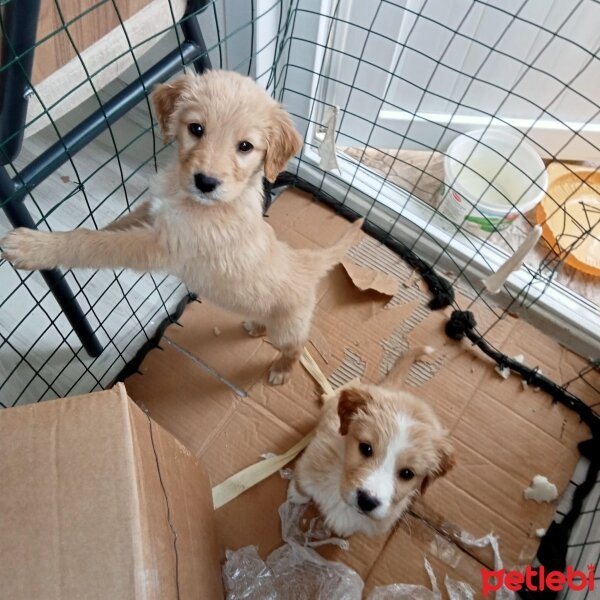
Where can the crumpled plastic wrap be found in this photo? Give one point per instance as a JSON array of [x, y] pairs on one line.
[[292, 572], [408, 591], [315, 535], [457, 590], [246, 576], [482, 542], [295, 571]]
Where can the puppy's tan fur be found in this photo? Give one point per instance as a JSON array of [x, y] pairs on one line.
[[217, 242], [403, 433]]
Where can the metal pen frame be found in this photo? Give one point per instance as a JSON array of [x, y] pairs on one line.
[[19, 20]]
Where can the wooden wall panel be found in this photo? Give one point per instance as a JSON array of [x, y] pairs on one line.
[[58, 50]]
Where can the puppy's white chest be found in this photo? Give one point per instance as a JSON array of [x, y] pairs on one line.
[[342, 519], [345, 521]]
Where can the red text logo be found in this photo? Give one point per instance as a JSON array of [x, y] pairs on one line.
[[537, 579]]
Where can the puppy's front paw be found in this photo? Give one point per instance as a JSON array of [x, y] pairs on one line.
[[295, 496], [27, 248], [277, 377]]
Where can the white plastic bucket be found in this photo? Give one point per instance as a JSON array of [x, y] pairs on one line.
[[490, 177]]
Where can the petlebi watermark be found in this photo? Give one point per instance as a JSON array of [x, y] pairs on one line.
[[537, 579]]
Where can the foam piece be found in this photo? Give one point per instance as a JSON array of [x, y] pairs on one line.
[[541, 490]]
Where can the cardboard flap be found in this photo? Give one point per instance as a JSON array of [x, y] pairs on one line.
[[100, 502]]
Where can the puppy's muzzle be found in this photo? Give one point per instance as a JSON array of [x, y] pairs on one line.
[[366, 502], [205, 183]]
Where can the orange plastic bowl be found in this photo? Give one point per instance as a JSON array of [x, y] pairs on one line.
[[570, 218]]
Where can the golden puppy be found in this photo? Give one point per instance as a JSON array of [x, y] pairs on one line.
[[374, 449], [204, 220]]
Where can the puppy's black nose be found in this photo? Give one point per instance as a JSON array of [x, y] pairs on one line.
[[205, 183], [366, 502]]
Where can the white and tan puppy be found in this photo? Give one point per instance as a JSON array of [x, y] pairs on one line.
[[374, 450], [204, 220]]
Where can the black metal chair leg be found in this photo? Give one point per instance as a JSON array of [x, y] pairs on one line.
[[17, 40], [192, 32], [19, 216], [19, 24]]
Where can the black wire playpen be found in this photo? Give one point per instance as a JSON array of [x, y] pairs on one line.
[[400, 102]]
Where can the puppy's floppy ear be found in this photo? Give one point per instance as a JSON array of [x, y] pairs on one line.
[[351, 400], [446, 460], [164, 98], [283, 141]]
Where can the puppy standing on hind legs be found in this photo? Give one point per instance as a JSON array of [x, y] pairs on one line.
[[204, 220]]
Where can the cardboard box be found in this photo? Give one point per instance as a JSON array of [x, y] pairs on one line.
[[207, 385], [99, 502]]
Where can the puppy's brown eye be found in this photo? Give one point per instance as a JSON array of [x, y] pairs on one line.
[[196, 129], [245, 146], [365, 449], [405, 474]]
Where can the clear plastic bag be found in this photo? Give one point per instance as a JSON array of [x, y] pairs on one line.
[[292, 572], [295, 571], [457, 590], [246, 576], [407, 591]]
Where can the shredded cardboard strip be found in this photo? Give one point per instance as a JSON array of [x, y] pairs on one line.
[[308, 362], [247, 478]]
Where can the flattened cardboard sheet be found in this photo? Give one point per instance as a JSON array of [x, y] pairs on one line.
[[504, 434]]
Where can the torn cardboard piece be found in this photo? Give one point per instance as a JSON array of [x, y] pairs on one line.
[[100, 502], [237, 357], [238, 483], [368, 279], [183, 397]]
